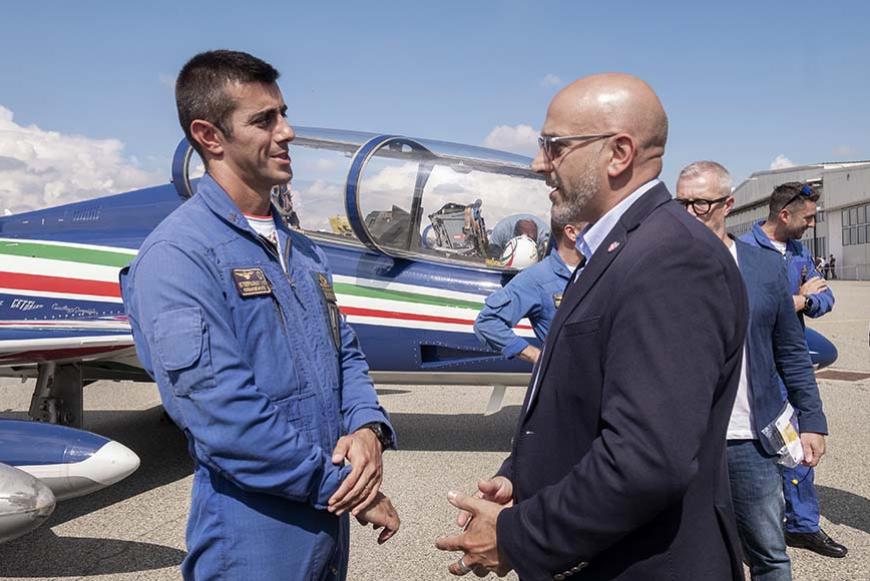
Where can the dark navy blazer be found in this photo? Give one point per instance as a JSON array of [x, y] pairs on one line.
[[618, 462], [777, 347]]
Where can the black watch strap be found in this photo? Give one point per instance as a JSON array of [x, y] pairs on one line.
[[383, 433]]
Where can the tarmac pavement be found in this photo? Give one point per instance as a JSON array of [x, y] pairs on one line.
[[135, 529]]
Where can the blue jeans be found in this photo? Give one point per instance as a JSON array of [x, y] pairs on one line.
[[756, 491]]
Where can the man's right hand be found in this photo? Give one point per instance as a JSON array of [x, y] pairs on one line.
[[530, 354], [380, 513], [499, 490]]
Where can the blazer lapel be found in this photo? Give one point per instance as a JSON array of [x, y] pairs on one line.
[[595, 267]]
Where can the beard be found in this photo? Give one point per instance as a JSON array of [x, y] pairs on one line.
[[578, 190]]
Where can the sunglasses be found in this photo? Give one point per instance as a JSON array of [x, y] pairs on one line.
[[805, 192], [550, 144]]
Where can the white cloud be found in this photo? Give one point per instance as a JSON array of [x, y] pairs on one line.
[[551, 80], [519, 139], [781, 162], [41, 168], [845, 151]]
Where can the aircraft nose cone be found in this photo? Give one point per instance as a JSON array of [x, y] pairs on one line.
[[113, 463]]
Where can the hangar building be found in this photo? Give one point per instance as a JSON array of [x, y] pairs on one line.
[[843, 222]]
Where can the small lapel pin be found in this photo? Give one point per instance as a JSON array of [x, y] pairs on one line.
[[613, 246]]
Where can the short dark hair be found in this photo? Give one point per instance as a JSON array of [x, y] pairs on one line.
[[787, 194], [560, 216], [200, 87]]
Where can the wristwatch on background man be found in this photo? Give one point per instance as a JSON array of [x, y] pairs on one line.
[[382, 432], [809, 303]]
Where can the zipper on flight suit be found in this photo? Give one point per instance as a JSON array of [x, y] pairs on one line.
[[274, 254]]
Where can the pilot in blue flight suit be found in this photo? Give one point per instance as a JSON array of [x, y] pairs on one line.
[[534, 293], [792, 211], [236, 321]]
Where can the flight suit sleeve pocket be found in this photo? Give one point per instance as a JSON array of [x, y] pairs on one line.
[[497, 300], [582, 327], [181, 344]]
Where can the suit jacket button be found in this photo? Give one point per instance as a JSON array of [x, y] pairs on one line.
[[559, 576]]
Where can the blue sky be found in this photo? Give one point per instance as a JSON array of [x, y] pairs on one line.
[[743, 83]]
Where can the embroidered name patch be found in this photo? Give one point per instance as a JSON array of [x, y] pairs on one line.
[[326, 288], [251, 282]]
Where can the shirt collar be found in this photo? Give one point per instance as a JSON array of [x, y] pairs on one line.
[[594, 234], [558, 264]]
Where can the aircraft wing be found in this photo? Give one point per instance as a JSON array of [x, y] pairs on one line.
[[28, 342]]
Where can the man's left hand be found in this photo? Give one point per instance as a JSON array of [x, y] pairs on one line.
[[478, 542], [363, 452], [814, 448]]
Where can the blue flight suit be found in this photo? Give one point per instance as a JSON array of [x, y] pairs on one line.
[[801, 501], [533, 293], [263, 375]]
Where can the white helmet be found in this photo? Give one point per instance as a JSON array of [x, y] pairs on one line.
[[520, 252]]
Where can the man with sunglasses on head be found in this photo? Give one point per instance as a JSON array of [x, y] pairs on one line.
[[617, 467], [775, 346], [792, 210]]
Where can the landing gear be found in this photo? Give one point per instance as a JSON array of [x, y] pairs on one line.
[[58, 395]]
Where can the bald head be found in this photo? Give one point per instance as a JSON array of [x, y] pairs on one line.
[[616, 103]]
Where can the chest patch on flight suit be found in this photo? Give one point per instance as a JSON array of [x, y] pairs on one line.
[[251, 282], [331, 308], [557, 299]]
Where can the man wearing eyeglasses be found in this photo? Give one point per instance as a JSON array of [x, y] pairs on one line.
[[792, 210], [617, 468], [775, 346]]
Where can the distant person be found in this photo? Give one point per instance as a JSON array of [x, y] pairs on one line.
[[517, 225], [617, 468], [792, 210], [833, 266], [534, 293], [234, 317], [775, 346]]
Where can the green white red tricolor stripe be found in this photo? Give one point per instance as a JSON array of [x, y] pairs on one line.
[[36, 268]]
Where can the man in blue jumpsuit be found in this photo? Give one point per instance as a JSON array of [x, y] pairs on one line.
[[534, 293], [792, 211], [515, 225], [235, 318]]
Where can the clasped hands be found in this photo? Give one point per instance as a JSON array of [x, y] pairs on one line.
[[478, 517], [360, 493]]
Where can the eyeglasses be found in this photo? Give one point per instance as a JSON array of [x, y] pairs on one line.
[[701, 207], [549, 144], [805, 192]]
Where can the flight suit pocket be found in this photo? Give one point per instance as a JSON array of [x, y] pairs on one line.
[[181, 341], [303, 414]]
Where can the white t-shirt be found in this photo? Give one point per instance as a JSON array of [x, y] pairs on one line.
[[265, 227], [740, 426], [778, 245]]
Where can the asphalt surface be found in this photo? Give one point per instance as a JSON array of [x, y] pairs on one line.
[[135, 529]]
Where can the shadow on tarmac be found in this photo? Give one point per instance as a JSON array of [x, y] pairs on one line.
[[844, 508], [456, 433], [47, 555]]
